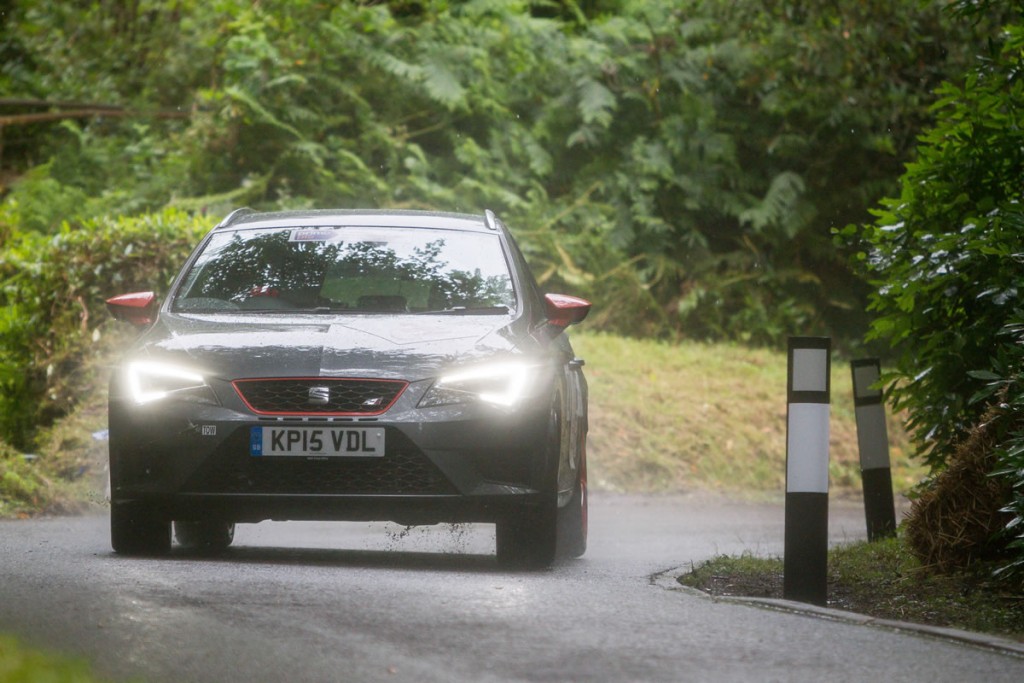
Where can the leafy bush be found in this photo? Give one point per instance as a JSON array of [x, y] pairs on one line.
[[1007, 385], [39, 202], [946, 254], [52, 290], [946, 259]]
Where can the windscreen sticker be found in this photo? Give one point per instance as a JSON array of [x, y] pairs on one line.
[[313, 235]]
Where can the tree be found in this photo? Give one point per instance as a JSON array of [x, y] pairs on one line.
[[679, 163]]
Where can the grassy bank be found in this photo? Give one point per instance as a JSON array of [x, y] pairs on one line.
[[676, 417], [66, 471]]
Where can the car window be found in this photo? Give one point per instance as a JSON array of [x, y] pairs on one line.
[[361, 270]]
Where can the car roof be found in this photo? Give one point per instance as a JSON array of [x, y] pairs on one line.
[[247, 218]]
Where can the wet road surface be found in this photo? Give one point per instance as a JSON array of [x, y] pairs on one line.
[[376, 602]]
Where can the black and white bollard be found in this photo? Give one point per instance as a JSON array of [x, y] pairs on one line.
[[873, 444], [805, 564]]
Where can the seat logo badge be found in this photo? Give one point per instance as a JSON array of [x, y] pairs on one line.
[[319, 396]]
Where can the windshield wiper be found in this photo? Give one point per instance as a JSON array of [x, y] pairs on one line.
[[455, 310], [323, 310], [470, 310]]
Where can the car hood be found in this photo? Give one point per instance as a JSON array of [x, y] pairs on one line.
[[409, 347]]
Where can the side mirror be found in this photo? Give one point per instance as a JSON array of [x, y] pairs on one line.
[[138, 308], [563, 310]]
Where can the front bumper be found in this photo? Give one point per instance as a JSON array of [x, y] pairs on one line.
[[465, 463]]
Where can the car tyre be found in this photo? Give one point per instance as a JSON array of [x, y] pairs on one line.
[[529, 541], [136, 530], [572, 520], [207, 536]]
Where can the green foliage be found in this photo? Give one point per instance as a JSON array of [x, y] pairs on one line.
[[679, 164], [946, 259], [52, 290], [741, 133], [40, 201], [1006, 385], [110, 52], [20, 486], [19, 664], [946, 254], [42, 484]]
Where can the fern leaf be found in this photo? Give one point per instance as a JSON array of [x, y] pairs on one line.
[[264, 114], [779, 204], [442, 85], [596, 102]]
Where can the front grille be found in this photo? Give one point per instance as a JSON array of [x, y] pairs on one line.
[[403, 470], [319, 395]]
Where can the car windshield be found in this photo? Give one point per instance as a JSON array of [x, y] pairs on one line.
[[358, 270]]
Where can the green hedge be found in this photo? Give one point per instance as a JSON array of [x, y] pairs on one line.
[[52, 293], [945, 258]]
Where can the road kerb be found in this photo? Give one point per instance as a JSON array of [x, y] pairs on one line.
[[668, 580]]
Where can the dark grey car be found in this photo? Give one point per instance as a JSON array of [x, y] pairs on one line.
[[351, 365]]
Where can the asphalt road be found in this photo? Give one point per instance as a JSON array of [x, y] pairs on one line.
[[374, 602]]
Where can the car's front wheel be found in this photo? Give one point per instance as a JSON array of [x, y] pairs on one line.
[[208, 536], [530, 540], [572, 519], [137, 530]]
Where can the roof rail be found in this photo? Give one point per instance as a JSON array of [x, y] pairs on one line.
[[237, 213], [490, 219]]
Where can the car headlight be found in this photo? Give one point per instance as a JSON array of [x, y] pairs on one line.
[[502, 384], [149, 381]]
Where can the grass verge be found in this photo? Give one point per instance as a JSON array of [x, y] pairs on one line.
[[692, 416], [67, 472], [881, 580]]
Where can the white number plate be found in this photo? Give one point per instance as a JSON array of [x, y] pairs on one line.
[[352, 442]]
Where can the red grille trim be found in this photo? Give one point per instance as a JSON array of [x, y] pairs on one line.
[[256, 394]]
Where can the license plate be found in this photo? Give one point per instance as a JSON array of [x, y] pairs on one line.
[[351, 442]]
